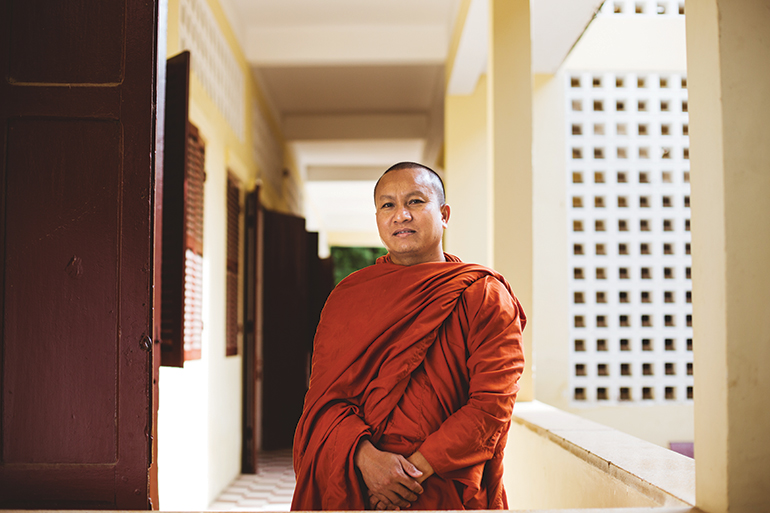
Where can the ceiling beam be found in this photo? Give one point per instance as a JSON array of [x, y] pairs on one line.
[[303, 127]]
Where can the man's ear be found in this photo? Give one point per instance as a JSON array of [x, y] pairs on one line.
[[445, 211]]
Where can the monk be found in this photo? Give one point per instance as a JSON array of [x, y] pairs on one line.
[[415, 368]]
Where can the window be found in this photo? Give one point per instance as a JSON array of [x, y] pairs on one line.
[[621, 177], [623, 296], [689, 389], [597, 82], [688, 296], [574, 82], [622, 249], [620, 105], [578, 273], [601, 273], [599, 129], [622, 202], [621, 129], [182, 256], [646, 273], [688, 320], [687, 248], [601, 297], [668, 273], [644, 225], [646, 344], [622, 225], [598, 153], [670, 393], [577, 129], [580, 345], [601, 344], [577, 177], [623, 273], [668, 248], [579, 298], [646, 297], [644, 201], [687, 202], [602, 369], [577, 105], [668, 225], [641, 106], [580, 369], [666, 177], [689, 368], [598, 106], [580, 321], [598, 201], [601, 394], [601, 249], [598, 177], [580, 394], [644, 248], [577, 226], [625, 369], [625, 394], [624, 321], [233, 252], [577, 249], [644, 177], [577, 202], [642, 129], [599, 225], [647, 369], [689, 344], [647, 321], [668, 296], [670, 344], [668, 320], [625, 344], [647, 393], [664, 129], [664, 106], [601, 321]]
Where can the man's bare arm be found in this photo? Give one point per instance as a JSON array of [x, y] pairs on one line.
[[390, 477], [419, 461]]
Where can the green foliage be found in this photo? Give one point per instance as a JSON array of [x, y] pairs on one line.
[[348, 260]]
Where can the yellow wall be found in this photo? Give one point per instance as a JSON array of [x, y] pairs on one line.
[[468, 177], [199, 438]]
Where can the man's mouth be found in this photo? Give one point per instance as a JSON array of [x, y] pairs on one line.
[[403, 232]]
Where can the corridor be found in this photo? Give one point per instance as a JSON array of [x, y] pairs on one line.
[[270, 489]]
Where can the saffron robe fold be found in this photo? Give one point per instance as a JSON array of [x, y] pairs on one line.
[[423, 357]]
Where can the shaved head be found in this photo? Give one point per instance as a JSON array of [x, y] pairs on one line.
[[435, 179]]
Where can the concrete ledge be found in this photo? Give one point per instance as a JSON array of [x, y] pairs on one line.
[[667, 478]]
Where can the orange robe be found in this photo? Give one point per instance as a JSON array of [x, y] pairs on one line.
[[423, 357]]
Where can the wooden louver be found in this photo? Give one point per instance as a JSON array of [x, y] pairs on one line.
[[233, 245]]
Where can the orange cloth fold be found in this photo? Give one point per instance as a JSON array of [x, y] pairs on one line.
[[423, 357]]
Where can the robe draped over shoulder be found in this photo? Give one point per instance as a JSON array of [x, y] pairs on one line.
[[423, 357]]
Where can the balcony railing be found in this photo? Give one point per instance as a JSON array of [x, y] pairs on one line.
[[558, 461]]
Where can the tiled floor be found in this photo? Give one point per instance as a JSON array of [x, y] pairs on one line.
[[270, 489]]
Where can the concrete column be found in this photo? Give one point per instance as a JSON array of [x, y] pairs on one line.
[[468, 177], [727, 54], [509, 121]]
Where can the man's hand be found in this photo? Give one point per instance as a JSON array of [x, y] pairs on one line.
[[390, 478]]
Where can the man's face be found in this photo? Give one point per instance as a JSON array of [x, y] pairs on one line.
[[409, 217]]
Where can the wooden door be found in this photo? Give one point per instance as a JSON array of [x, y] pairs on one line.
[[286, 344], [77, 123], [252, 306]]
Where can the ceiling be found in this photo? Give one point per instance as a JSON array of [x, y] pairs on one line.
[[358, 85]]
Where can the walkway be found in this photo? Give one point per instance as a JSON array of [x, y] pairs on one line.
[[270, 489]]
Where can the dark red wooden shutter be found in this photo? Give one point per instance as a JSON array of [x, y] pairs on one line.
[[193, 255], [233, 244], [182, 259]]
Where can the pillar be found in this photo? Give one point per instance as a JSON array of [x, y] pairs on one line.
[[727, 53], [509, 122], [468, 177]]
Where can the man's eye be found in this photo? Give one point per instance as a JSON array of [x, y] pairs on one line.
[[386, 205], [416, 201]]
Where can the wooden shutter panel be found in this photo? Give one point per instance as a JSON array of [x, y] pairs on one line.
[[233, 244], [182, 255]]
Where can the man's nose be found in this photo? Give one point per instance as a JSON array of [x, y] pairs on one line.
[[403, 214]]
